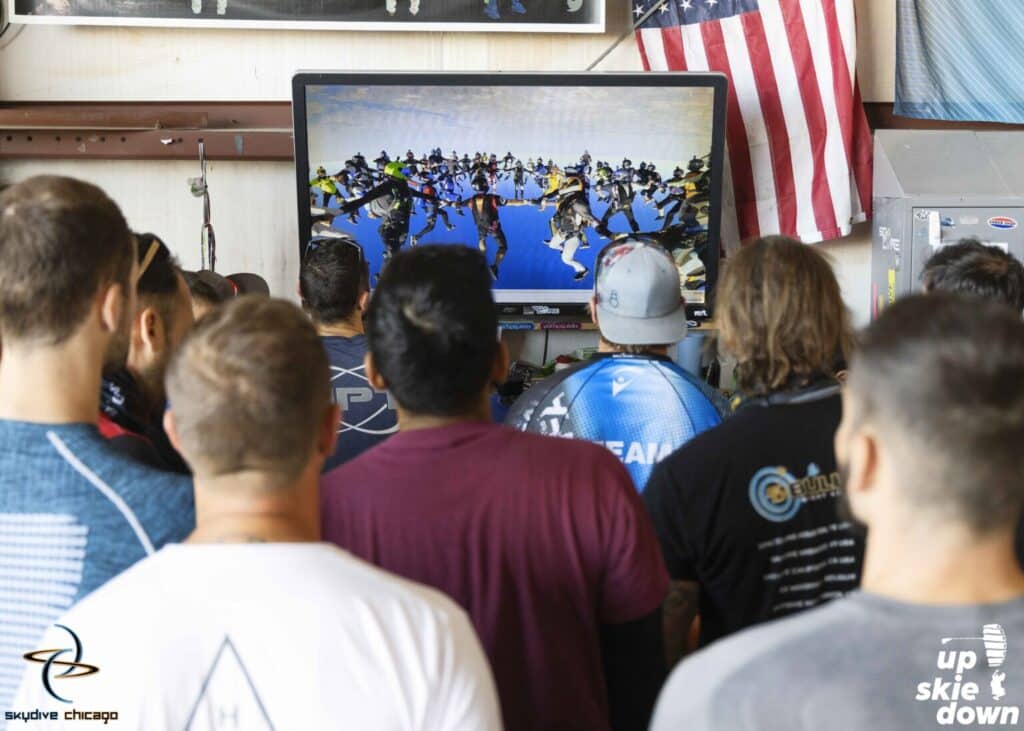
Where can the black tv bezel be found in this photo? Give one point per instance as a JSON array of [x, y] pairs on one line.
[[715, 81]]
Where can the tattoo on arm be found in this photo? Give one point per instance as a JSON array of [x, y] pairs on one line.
[[680, 610]]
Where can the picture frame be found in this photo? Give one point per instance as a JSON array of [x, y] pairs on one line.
[[517, 16]]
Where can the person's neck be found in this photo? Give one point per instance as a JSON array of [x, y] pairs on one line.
[[257, 507], [603, 346], [51, 384], [940, 564], [348, 328], [408, 421]]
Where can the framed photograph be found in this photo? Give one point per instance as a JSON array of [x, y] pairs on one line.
[[561, 16]]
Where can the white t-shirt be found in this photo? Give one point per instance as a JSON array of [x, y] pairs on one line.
[[265, 636]]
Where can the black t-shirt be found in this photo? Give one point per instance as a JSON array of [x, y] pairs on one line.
[[748, 510]]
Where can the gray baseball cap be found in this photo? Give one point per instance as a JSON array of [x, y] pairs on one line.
[[638, 292]]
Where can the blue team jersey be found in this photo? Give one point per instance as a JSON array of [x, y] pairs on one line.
[[641, 407], [367, 416]]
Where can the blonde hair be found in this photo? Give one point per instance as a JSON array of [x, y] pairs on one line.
[[781, 315]]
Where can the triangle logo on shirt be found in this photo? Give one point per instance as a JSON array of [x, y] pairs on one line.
[[228, 699]]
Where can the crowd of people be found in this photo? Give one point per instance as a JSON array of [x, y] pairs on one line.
[[222, 510]]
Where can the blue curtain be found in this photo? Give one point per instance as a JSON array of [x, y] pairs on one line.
[[960, 60]]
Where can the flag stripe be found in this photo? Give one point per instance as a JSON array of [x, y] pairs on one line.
[[814, 111], [781, 162], [736, 134], [643, 49], [672, 40], [754, 121], [836, 164], [848, 102], [796, 122], [655, 49]]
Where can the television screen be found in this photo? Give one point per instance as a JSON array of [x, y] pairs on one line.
[[537, 171]]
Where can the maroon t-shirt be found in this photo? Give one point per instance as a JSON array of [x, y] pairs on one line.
[[541, 540]]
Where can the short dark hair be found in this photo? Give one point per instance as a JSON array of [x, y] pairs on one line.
[[158, 283], [781, 315], [432, 328], [973, 268], [61, 240], [942, 376], [248, 388], [334, 274]]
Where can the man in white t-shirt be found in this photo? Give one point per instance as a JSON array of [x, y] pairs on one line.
[[252, 623]]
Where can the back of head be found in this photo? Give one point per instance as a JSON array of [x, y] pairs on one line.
[[781, 315], [940, 380], [334, 275], [61, 240], [637, 296], [249, 389], [432, 328], [972, 268]]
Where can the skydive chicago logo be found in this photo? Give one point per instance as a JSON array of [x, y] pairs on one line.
[[59, 665], [959, 700]]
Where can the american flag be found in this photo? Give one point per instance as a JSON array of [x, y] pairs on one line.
[[799, 146]]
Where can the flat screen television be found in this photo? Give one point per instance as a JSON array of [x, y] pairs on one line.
[[540, 171]]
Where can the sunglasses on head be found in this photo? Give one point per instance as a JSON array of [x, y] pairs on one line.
[[155, 248], [318, 241]]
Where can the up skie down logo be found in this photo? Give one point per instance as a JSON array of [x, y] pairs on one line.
[[51, 661]]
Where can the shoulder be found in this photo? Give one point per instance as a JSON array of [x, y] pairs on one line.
[[98, 462], [371, 585], [705, 686]]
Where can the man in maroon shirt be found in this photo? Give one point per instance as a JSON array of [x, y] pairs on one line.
[[543, 541]]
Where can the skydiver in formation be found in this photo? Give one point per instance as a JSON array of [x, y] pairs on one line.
[[572, 216], [433, 204], [391, 202], [620, 200], [486, 208], [326, 184]]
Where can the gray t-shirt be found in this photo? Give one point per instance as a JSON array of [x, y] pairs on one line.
[[862, 662]]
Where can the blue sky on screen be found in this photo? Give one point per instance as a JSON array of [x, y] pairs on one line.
[[667, 126]]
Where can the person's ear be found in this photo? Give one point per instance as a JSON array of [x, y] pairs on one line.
[[327, 436], [364, 301], [171, 429], [499, 371], [298, 292], [593, 308], [152, 334], [373, 375], [112, 303]]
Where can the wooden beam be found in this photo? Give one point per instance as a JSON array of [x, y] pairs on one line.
[[230, 130], [147, 115], [145, 144]]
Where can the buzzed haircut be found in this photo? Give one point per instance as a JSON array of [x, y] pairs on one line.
[[158, 283], [973, 268], [334, 274], [432, 328], [249, 388], [941, 377], [61, 240]]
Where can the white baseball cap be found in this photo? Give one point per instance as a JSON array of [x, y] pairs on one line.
[[638, 293]]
